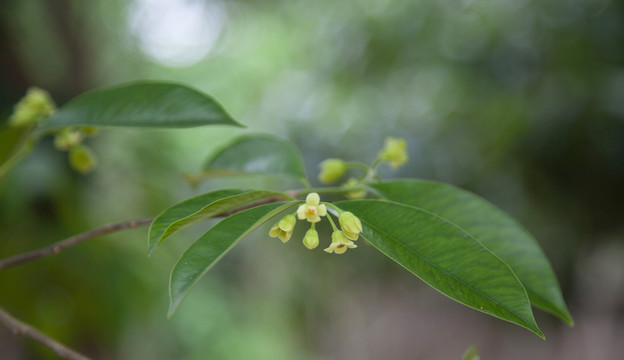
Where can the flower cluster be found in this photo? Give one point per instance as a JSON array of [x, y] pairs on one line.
[[312, 211]]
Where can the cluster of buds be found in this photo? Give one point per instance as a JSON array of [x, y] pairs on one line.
[[81, 157], [312, 211]]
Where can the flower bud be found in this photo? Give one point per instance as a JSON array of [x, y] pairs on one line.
[[311, 239], [331, 170], [284, 228], [350, 224], [394, 152], [32, 108], [287, 223], [82, 159]]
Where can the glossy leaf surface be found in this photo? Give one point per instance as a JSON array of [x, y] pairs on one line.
[[257, 154], [215, 243], [493, 228], [141, 104], [199, 208], [446, 257]]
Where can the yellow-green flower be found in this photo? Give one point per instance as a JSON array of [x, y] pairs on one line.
[[394, 152], [331, 170], [32, 108], [311, 210], [340, 243], [311, 239], [350, 224], [283, 228]]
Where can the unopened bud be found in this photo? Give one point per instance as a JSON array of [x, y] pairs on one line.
[[311, 239], [350, 224], [394, 152], [331, 170], [288, 222]]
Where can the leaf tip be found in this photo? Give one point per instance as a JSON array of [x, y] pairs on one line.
[[174, 303], [537, 331]]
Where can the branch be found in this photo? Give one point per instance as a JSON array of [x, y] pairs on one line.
[[57, 247], [103, 230], [19, 328]]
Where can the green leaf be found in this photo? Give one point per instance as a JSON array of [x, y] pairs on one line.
[[257, 154], [493, 228], [211, 246], [199, 208], [141, 104], [446, 257]]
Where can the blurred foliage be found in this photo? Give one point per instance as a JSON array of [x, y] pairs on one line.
[[520, 101]]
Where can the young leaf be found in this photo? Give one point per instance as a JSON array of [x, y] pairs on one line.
[[257, 154], [209, 248], [141, 104], [445, 257], [493, 228], [199, 208]]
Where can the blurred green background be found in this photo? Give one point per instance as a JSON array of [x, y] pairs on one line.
[[519, 101]]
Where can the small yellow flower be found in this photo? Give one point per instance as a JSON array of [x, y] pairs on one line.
[[340, 243], [311, 210], [350, 224], [311, 239], [331, 170], [283, 228], [394, 152]]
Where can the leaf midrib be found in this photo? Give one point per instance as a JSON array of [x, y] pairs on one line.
[[447, 273]]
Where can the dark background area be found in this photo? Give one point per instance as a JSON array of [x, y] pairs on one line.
[[521, 102]]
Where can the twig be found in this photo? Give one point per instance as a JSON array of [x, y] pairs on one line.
[[247, 207], [57, 247], [19, 328]]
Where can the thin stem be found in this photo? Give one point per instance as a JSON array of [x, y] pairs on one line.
[[305, 183], [357, 165], [333, 207], [325, 190], [57, 247], [20, 328], [332, 222], [376, 163]]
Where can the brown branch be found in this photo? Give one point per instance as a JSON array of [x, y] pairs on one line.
[[57, 247], [19, 328]]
